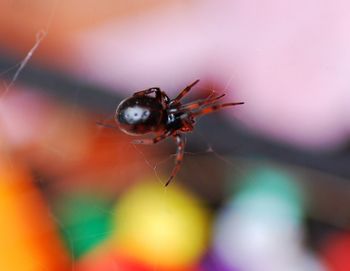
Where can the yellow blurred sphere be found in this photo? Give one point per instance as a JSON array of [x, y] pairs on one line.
[[161, 226]]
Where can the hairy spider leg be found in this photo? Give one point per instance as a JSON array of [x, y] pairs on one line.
[[180, 141], [183, 93], [108, 122], [147, 91], [160, 95], [106, 125], [195, 105], [149, 141], [212, 108]]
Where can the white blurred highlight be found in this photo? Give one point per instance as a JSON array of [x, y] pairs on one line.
[[260, 233]]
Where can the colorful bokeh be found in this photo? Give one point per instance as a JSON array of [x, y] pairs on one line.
[[263, 186]]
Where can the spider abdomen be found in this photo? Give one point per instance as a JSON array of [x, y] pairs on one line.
[[139, 115]]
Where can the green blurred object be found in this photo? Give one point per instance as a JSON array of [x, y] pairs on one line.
[[85, 221], [272, 191]]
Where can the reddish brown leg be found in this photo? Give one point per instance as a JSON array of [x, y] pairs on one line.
[[213, 108], [106, 125], [183, 93], [180, 141], [195, 105], [147, 91], [160, 95], [149, 141]]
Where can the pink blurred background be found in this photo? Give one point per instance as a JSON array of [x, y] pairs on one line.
[[287, 60]]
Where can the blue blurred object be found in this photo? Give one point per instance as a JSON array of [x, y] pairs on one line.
[[273, 192]]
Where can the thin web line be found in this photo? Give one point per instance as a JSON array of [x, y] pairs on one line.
[[39, 37]]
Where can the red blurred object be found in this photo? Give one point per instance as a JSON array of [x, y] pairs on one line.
[[64, 142], [108, 261], [337, 252], [110, 161]]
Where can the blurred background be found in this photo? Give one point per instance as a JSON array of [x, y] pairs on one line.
[[263, 186]]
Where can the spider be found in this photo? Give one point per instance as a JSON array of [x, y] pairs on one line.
[[152, 111]]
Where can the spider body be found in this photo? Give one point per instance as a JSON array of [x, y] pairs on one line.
[[139, 115], [152, 111]]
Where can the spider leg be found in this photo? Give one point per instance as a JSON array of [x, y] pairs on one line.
[[195, 105], [183, 93], [147, 91], [180, 141], [160, 95], [149, 141], [106, 125], [213, 108]]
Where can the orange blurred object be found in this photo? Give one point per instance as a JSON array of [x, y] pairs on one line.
[[29, 240], [22, 21]]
